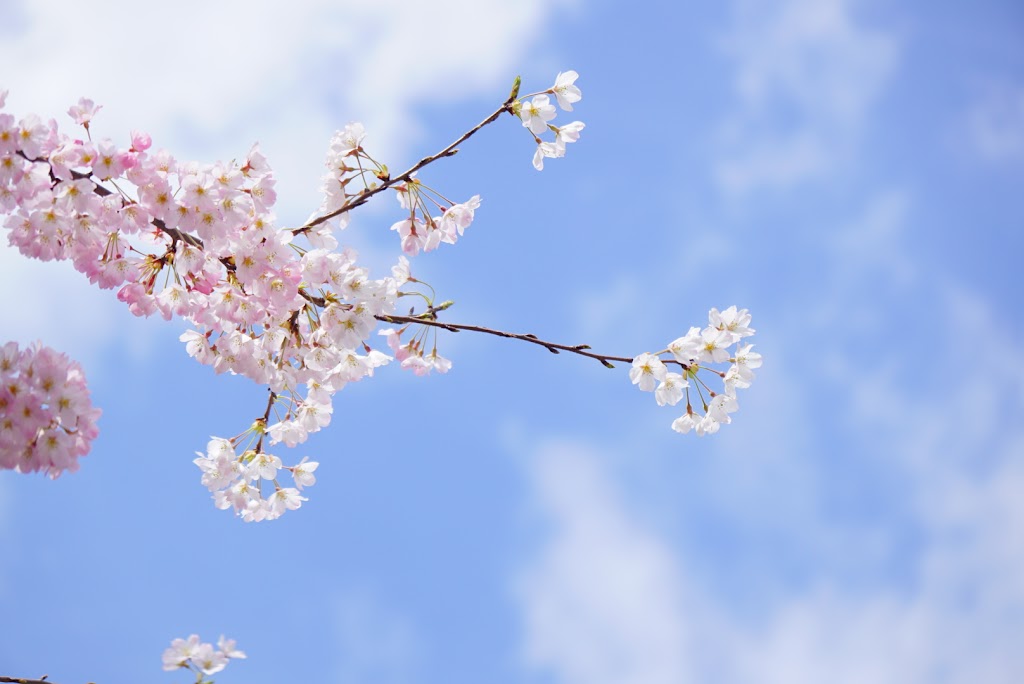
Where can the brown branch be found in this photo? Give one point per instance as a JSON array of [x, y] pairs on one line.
[[21, 680], [175, 234], [364, 196], [553, 347], [266, 418]]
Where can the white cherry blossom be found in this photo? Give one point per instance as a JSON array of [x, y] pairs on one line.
[[537, 112], [647, 369], [565, 92]]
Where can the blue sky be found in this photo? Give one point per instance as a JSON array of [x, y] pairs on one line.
[[850, 171]]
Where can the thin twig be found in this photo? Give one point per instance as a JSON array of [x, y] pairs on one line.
[[266, 417], [364, 196], [553, 347]]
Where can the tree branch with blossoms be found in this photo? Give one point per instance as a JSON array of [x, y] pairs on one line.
[[286, 307], [387, 181], [296, 316]]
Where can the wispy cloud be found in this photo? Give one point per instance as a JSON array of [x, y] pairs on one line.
[[923, 581], [215, 78], [610, 599], [958, 609], [807, 73], [602, 602]]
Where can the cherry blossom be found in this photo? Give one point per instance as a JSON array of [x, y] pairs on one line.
[[200, 657], [695, 353], [670, 390], [83, 112], [647, 368], [538, 113], [565, 92], [238, 480], [569, 133], [47, 421], [546, 149]]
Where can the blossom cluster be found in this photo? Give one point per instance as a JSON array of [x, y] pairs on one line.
[[198, 242], [237, 480], [537, 114], [412, 354], [432, 218], [422, 230], [200, 657], [694, 353], [46, 418]]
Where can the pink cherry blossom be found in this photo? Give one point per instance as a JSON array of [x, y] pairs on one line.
[[47, 421], [84, 111]]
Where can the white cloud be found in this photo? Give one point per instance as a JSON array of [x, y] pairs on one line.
[[955, 439], [607, 600], [208, 79], [806, 76], [602, 603], [961, 617]]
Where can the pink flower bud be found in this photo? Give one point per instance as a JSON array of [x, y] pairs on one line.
[[141, 141], [127, 160]]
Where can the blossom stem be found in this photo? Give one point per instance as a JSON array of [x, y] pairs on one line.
[[364, 196]]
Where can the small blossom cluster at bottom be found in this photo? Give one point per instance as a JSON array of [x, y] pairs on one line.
[[198, 657], [693, 353], [46, 418]]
